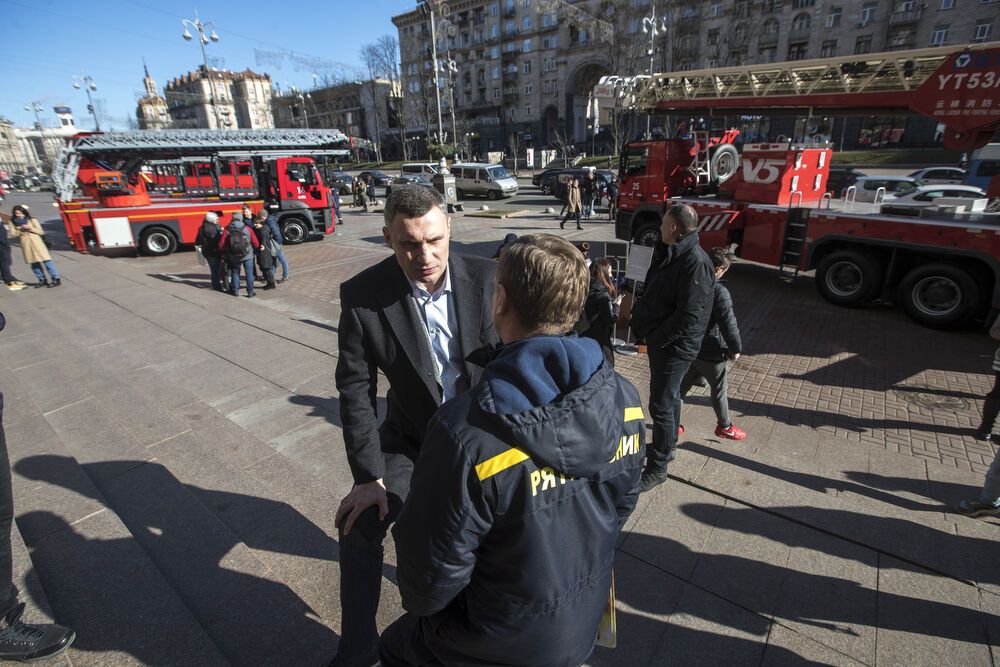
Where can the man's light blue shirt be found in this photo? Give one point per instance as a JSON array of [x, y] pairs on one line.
[[438, 314]]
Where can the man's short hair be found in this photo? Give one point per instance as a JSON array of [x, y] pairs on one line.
[[684, 217], [411, 201], [546, 281], [720, 258]]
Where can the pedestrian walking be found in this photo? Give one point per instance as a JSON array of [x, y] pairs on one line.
[[672, 316], [19, 641], [237, 244], [336, 206], [370, 188], [988, 503], [414, 318], [6, 273], [264, 251], [588, 190], [613, 198], [279, 242], [207, 243], [572, 203], [720, 346], [357, 188], [34, 246], [600, 309], [506, 541]]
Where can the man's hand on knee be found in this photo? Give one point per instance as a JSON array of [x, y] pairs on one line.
[[361, 497]]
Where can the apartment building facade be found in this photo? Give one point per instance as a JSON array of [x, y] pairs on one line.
[[220, 99], [524, 70]]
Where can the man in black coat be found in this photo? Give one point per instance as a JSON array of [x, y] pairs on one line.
[[505, 545], [416, 317], [672, 316]]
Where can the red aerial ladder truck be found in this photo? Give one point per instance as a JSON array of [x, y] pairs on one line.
[[770, 202], [150, 190]]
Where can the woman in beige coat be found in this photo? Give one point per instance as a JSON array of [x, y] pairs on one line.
[[572, 203], [22, 226]]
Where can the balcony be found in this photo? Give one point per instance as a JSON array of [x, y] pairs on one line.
[[767, 38], [905, 18], [511, 34], [799, 34], [509, 12], [901, 42]]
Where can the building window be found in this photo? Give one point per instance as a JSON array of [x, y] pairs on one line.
[[833, 18], [770, 27], [526, 23], [549, 65], [829, 48], [802, 4], [495, 30], [633, 25], [868, 13], [528, 88], [493, 9], [797, 51], [984, 30], [863, 44], [771, 7], [496, 71], [801, 22], [715, 9], [768, 54], [525, 3], [711, 63], [496, 93], [550, 42], [527, 45], [939, 36], [947, 4], [495, 52], [713, 36], [526, 67], [527, 111]]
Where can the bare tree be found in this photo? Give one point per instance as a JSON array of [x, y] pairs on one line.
[[386, 54], [370, 59], [562, 144]]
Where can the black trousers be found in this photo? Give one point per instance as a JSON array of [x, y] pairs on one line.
[[8, 591], [5, 263], [570, 214], [665, 374], [362, 553], [403, 644]]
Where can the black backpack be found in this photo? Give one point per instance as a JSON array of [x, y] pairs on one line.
[[209, 238], [237, 245]]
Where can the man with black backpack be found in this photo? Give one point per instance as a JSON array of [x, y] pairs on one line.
[[236, 246], [207, 243]]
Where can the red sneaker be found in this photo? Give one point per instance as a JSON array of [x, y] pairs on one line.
[[680, 430], [731, 433]]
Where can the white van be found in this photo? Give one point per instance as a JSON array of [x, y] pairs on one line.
[[426, 168], [490, 180]]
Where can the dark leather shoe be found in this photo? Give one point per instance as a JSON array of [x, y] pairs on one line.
[[55, 283], [26, 643], [651, 480]]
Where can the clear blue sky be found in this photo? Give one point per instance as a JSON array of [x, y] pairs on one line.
[[47, 42]]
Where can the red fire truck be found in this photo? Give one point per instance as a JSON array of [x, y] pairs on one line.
[[150, 190], [770, 203]]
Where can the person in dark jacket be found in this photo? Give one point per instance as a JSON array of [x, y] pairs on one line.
[[235, 262], [507, 240], [588, 191], [207, 241], [336, 206], [272, 224], [12, 283], [505, 544], [720, 346], [420, 318], [672, 316], [600, 310], [612, 197], [263, 253]]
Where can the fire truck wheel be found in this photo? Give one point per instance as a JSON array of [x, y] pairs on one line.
[[725, 161], [939, 295], [294, 230], [157, 241], [648, 235], [848, 278]]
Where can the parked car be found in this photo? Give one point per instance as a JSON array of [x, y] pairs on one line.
[[939, 175], [538, 178], [557, 182], [338, 180], [926, 195], [868, 186], [476, 178], [426, 168], [406, 179], [379, 178], [842, 178]]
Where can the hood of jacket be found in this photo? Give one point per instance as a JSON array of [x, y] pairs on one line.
[[557, 399], [236, 225]]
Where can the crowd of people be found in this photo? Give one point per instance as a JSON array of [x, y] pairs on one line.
[[248, 244], [581, 197]]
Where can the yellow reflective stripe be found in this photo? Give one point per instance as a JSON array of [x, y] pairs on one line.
[[499, 463], [631, 414]]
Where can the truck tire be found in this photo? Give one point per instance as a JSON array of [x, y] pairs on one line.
[[294, 230], [157, 241], [725, 162], [648, 234], [848, 278], [939, 295]]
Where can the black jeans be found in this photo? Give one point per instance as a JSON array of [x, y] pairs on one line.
[[8, 591], [5, 263], [665, 374], [567, 217], [362, 553], [403, 644], [716, 373]]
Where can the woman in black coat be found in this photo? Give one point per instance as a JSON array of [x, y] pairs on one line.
[[600, 310], [265, 260]]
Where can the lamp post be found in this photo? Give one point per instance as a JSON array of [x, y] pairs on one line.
[[203, 39], [87, 83], [429, 7], [302, 97], [652, 28]]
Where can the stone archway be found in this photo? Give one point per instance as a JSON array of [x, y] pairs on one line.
[[579, 87]]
